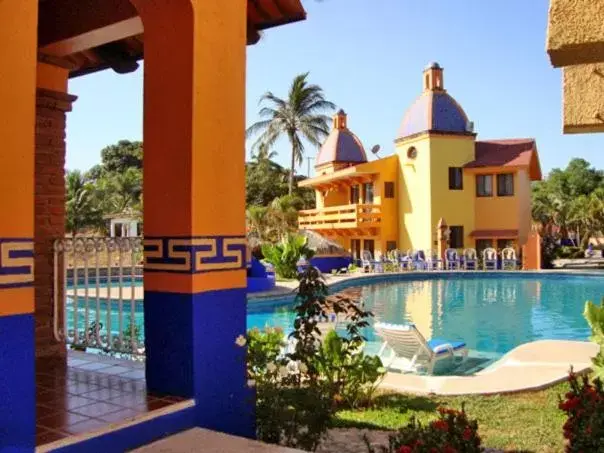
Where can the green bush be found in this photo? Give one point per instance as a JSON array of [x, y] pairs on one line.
[[348, 373], [568, 252], [284, 256], [298, 393], [452, 432], [594, 314]]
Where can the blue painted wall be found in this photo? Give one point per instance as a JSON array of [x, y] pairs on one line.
[[327, 263], [17, 384]]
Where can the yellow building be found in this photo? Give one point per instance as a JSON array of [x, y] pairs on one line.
[[481, 189]]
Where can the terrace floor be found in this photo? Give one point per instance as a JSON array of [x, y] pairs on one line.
[[90, 394]]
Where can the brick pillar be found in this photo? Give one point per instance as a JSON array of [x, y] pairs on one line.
[[51, 108]]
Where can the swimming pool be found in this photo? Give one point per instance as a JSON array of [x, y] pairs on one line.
[[492, 312]]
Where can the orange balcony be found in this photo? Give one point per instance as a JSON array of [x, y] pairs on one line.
[[346, 217]]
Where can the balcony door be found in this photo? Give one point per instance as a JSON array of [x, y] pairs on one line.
[[355, 250], [369, 244], [355, 194], [368, 193]]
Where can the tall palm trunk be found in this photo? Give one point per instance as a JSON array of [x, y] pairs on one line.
[[291, 172]]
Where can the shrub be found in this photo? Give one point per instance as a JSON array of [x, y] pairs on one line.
[[567, 251], [594, 315], [297, 393], [584, 405], [452, 432], [284, 256]]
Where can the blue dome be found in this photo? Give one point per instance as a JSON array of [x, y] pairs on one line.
[[434, 111]]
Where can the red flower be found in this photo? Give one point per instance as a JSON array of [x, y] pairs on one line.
[[405, 449], [449, 449], [440, 425], [467, 433]]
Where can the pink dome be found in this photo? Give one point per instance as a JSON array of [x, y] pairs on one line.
[[341, 145]]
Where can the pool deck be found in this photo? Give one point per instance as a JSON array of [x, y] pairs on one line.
[[530, 366]]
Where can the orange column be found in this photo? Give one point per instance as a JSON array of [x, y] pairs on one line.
[[194, 190], [18, 25]]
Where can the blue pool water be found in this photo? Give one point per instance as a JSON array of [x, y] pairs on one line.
[[492, 313]]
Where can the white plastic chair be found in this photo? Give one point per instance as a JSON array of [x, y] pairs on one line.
[[367, 260], [470, 261], [418, 260], [451, 259], [409, 350], [508, 259], [433, 261], [489, 259]]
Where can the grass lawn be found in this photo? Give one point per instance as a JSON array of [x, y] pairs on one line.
[[519, 422]]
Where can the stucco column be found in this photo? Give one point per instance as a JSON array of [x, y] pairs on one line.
[[194, 190], [18, 43]]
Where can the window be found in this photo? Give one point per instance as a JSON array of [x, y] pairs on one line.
[[504, 243], [354, 195], [484, 185], [482, 244], [368, 193], [388, 189], [455, 178], [412, 153], [390, 245], [505, 185], [456, 238]]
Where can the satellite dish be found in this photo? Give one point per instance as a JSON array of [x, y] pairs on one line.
[[375, 149]]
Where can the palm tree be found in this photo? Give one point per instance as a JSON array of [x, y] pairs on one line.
[[299, 116], [80, 203]]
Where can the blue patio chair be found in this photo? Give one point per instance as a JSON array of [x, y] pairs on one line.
[[433, 261], [489, 259], [470, 259], [451, 260], [508, 259]]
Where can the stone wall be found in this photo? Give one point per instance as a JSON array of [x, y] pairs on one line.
[[51, 108]]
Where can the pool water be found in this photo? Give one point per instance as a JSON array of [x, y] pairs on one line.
[[492, 313]]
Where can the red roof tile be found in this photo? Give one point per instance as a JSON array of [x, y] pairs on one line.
[[520, 152]]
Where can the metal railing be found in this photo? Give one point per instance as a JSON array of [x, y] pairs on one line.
[[98, 293], [345, 216]]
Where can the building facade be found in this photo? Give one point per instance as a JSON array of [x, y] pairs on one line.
[[439, 173]]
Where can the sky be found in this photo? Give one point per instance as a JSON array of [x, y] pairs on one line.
[[368, 56]]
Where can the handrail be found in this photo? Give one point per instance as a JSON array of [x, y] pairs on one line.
[[88, 262], [342, 216]]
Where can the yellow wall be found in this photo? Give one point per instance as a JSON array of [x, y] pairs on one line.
[[335, 197], [455, 206], [414, 195]]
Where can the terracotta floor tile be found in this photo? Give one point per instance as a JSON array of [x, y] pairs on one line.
[[134, 374], [86, 426], [103, 394], [79, 388], [73, 402], [154, 405], [43, 411], [44, 436], [119, 416], [132, 399], [93, 366], [114, 370], [97, 409], [60, 421]]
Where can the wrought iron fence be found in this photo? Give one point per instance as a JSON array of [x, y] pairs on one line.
[[98, 293]]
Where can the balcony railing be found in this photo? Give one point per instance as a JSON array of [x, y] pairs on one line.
[[336, 217]]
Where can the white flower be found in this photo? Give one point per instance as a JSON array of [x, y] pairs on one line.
[[251, 383], [271, 367], [240, 341], [303, 368]]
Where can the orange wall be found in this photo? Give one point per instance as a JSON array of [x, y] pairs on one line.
[[18, 54], [52, 77]]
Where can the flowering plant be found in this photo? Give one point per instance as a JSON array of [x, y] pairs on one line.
[[452, 432], [584, 405]]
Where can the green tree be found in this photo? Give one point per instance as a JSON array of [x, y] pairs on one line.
[[298, 116], [123, 155], [81, 210]]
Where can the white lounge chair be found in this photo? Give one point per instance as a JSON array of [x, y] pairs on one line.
[[409, 350], [451, 259], [508, 259], [433, 261], [489, 259], [470, 262]]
